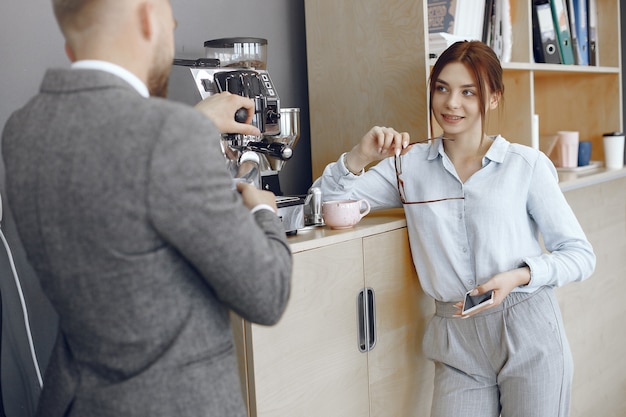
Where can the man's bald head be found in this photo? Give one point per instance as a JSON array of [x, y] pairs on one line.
[[135, 34], [78, 15]]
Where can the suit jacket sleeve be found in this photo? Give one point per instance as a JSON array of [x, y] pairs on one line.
[[244, 258]]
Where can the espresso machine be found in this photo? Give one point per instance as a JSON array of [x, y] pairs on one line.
[[238, 65]]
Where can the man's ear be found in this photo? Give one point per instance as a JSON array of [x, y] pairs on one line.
[[146, 16], [70, 53]]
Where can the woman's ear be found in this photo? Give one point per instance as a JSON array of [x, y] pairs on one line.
[[494, 100]]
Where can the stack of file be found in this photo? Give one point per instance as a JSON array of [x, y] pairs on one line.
[[489, 21], [564, 32]]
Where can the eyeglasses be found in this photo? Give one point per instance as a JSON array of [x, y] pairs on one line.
[[398, 164]]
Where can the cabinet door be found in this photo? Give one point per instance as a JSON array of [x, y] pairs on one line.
[[309, 364], [401, 379]]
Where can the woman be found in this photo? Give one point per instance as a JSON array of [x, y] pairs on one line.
[[475, 206]]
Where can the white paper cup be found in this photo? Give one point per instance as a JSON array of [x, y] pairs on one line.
[[613, 150]]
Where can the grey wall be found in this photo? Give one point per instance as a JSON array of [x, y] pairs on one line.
[[30, 42]]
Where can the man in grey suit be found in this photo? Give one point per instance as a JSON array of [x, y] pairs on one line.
[[126, 212]]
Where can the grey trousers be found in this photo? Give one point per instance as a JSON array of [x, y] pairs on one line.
[[512, 360]]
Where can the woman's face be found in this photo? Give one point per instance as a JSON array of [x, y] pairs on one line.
[[456, 104]]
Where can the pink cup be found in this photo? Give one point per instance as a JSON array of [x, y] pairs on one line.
[[567, 149], [343, 214]]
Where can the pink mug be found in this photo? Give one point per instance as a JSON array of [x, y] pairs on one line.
[[343, 214]]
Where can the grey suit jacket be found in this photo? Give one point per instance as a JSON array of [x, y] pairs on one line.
[[142, 247]]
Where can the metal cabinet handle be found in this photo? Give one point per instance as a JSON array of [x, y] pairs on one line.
[[366, 319], [361, 306], [371, 318]]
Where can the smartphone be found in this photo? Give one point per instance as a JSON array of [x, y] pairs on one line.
[[473, 303]]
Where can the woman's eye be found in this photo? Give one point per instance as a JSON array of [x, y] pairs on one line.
[[469, 93], [440, 88]]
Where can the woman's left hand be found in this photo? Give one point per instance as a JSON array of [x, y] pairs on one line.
[[501, 284]]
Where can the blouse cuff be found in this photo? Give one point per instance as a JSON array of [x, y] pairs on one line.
[[344, 165], [537, 270]]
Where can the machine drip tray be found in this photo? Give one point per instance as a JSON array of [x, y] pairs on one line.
[[291, 213], [288, 200]]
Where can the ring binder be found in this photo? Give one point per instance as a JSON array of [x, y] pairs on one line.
[[545, 43], [563, 33]]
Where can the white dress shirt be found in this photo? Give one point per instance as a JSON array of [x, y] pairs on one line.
[[114, 69]]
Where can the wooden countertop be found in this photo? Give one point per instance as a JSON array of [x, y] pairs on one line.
[[375, 222]]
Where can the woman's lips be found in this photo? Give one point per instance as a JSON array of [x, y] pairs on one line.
[[452, 119]]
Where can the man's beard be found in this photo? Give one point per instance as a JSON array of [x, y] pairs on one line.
[[159, 74], [158, 80]]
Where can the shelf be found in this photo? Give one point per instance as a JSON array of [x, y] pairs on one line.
[[555, 68], [574, 180], [573, 69], [581, 69]]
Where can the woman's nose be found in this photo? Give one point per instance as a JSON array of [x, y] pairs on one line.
[[453, 101]]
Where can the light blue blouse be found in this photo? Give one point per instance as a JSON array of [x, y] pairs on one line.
[[458, 244]]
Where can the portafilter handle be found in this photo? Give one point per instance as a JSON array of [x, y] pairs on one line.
[[272, 149]]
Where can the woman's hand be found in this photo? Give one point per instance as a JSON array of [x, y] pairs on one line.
[[379, 143], [501, 284]]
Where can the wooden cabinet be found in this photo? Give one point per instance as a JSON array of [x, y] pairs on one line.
[[310, 363], [368, 65]]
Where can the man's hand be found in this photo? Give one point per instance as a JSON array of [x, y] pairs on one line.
[[253, 197], [221, 109]]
